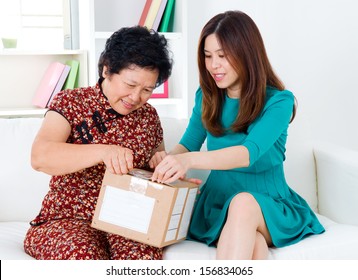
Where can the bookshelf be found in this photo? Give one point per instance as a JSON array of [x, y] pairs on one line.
[[21, 72], [99, 19]]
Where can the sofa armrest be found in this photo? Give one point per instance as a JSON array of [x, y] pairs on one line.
[[337, 180]]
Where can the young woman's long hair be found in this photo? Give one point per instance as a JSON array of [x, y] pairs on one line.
[[244, 49]]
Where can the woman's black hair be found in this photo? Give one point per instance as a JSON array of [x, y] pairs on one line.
[[136, 46]]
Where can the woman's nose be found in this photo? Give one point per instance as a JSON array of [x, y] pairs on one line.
[[215, 63], [135, 95]]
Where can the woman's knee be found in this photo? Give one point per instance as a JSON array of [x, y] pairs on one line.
[[244, 205]]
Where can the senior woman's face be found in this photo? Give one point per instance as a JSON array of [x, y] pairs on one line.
[[130, 89]]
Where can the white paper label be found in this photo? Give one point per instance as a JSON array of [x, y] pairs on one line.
[[127, 209]]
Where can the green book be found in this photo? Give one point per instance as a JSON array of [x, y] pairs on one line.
[[166, 24], [72, 78]]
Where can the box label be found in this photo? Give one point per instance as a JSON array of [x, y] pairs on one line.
[[127, 209]]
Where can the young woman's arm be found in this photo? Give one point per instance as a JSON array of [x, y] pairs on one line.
[[175, 166], [52, 155]]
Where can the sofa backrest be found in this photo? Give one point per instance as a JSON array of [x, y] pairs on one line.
[[300, 167], [22, 189]]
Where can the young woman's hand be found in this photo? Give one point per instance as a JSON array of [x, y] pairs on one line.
[[194, 180], [171, 168], [118, 160]]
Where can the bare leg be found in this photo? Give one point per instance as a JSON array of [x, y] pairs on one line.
[[244, 231], [261, 248]]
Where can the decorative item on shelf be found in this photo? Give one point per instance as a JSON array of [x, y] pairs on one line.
[[9, 43], [161, 91], [166, 24]]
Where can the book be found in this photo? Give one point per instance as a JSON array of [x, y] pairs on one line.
[[60, 83], [144, 12], [166, 25], [48, 84], [72, 79], [152, 13], [160, 12]]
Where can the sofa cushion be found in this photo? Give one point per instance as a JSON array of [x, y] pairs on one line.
[[299, 165], [12, 236], [24, 187], [338, 242]]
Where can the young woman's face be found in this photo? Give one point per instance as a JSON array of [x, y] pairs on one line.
[[130, 89], [219, 67]]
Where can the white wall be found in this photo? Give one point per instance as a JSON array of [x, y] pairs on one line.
[[313, 46]]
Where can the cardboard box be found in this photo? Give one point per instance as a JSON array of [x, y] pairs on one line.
[[137, 208]]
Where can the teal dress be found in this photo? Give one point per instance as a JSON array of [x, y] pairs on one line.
[[288, 216]]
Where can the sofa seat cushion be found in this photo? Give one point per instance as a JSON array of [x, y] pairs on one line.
[[12, 236], [338, 242]]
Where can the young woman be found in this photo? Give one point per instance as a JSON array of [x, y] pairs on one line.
[[88, 130], [243, 111]]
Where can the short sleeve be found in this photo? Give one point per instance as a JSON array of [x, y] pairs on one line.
[[271, 125], [63, 104], [195, 133]]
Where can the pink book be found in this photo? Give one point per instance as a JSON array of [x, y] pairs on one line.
[[159, 15], [48, 84], [144, 12], [60, 83]]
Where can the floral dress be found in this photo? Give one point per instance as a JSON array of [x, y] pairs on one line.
[[62, 229]]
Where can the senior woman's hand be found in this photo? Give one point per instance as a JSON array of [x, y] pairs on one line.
[[156, 159], [118, 160]]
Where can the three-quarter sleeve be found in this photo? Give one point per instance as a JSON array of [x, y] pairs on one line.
[[270, 126]]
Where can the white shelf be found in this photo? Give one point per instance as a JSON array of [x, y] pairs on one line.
[[22, 71], [22, 112], [10, 52]]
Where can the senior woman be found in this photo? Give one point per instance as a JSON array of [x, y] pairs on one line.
[[87, 130]]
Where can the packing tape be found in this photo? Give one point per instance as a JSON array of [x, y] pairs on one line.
[[138, 185]]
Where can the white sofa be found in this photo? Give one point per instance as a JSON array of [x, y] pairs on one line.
[[325, 175]]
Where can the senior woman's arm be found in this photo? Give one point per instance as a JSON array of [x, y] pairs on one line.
[[52, 155]]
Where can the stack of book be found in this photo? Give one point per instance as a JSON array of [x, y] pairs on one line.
[[57, 77], [158, 15]]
